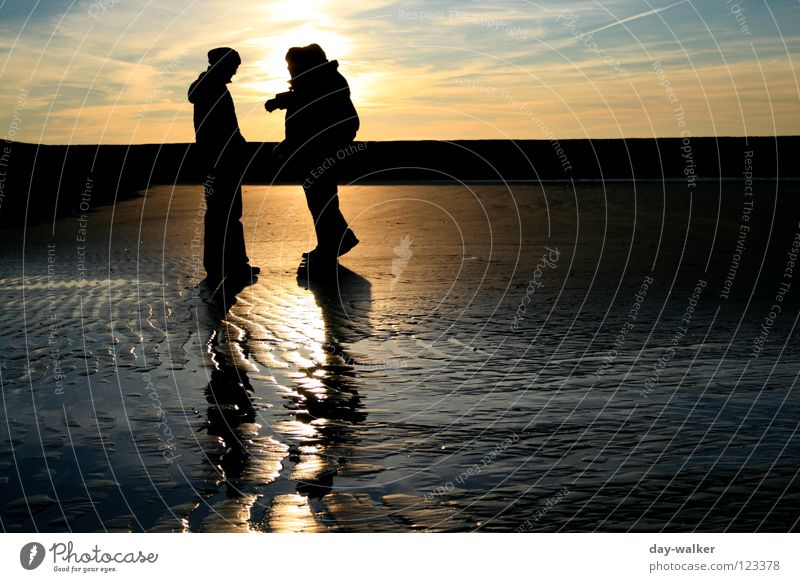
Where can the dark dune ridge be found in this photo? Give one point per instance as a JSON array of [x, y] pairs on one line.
[[42, 182]]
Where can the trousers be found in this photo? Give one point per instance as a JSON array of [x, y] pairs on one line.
[[322, 196], [223, 242]]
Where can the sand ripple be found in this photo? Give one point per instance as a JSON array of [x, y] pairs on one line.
[[396, 396]]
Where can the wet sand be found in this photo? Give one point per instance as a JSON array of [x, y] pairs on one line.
[[491, 357]]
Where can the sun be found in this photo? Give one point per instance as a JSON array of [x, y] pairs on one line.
[[268, 75]]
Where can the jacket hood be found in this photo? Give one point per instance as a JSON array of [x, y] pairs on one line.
[[196, 88], [326, 73], [206, 85]]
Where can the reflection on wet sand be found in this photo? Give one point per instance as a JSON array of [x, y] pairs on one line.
[[308, 448], [260, 405], [326, 406], [242, 456]]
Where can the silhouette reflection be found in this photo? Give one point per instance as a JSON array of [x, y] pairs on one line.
[[325, 394], [325, 403], [310, 444], [231, 412]]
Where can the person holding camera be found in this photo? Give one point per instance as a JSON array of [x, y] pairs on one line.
[[320, 121]]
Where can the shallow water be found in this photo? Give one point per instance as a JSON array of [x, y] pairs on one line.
[[478, 363]]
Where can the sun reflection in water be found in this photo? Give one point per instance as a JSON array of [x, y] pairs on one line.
[[308, 332], [292, 514], [296, 430]]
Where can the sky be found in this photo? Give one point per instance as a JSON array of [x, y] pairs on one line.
[[117, 71]]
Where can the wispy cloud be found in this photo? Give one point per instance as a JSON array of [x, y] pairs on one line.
[[638, 16], [121, 75]]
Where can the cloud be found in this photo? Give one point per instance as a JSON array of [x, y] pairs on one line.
[[638, 16], [121, 74]]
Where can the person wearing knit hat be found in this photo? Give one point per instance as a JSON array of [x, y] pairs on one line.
[[224, 54], [221, 150]]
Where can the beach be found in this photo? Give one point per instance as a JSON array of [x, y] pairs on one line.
[[519, 357]]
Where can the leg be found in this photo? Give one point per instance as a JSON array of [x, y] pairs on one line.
[[212, 227], [234, 251], [322, 196], [224, 248]]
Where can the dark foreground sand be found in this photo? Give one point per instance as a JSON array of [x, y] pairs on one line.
[[519, 358]]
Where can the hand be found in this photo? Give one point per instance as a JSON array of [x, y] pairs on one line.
[[271, 105]]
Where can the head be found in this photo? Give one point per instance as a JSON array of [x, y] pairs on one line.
[[224, 62], [304, 58]]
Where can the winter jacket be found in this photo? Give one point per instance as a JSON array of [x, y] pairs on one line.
[[319, 113], [215, 124]]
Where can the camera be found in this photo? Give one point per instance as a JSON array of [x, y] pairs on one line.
[[280, 101]]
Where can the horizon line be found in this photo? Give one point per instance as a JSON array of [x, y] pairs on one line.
[[441, 140]]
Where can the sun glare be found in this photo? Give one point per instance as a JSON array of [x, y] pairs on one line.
[[268, 75]]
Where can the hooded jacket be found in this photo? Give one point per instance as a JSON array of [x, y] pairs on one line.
[[215, 125], [319, 113]]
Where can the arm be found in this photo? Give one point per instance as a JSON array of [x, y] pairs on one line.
[[280, 101]]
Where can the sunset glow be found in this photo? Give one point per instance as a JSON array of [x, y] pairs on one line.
[[105, 71]]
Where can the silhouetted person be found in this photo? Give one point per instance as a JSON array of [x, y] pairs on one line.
[[221, 148], [345, 302], [231, 410], [320, 124]]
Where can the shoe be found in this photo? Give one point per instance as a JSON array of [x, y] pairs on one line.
[[318, 262], [243, 273], [213, 279], [320, 256], [349, 241]]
